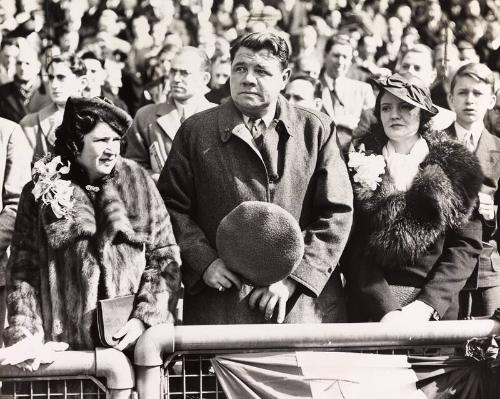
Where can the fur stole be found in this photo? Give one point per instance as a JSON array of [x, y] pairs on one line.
[[398, 227]]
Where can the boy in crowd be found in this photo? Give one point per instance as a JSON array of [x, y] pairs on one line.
[[471, 96]]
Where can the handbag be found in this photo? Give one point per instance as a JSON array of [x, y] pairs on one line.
[[112, 315]]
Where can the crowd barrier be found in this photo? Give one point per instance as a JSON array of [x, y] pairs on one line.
[[175, 361], [100, 374], [184, 352]]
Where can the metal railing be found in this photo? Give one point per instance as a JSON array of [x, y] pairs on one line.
[[99, 374], [185, 351]]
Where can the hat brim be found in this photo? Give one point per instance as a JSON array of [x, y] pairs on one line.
[[401, 94]]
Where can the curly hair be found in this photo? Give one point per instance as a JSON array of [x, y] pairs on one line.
[[81, 116]]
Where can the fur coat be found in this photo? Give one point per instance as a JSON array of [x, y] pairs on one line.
[[420, 238], [117, 241]]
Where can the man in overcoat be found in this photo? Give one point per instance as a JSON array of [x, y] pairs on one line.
[[15, 172], [259, 147]]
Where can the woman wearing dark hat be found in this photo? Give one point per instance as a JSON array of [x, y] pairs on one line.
[[413, 246], [91, 225]]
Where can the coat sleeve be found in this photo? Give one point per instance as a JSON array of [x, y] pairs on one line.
[[137, 146], [23, 273], [332, 211], [457, 262], [159, 288], [17, 173], [176, 186]]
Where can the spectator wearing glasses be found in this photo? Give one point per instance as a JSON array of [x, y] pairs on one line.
[[150, 137]]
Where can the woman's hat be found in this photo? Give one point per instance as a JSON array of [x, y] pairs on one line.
[[410, 89], [260, 241], [102, 107]]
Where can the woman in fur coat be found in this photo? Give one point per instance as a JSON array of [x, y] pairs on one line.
[[413, 246], [91, 225]]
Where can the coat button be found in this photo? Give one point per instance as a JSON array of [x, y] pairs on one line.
[[330, 270]]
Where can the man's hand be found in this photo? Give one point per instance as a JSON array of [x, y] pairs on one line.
[[30, 352], [272, 295], [486, 206], [218, 276], [129, 334]]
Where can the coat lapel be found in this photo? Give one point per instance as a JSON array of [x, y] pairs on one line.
[[169, 119], [488, 154], [48, 121]]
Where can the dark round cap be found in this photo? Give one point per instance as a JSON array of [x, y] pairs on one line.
[[261, 242]]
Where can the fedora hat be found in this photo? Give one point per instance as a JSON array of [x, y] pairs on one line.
[[260, 241]]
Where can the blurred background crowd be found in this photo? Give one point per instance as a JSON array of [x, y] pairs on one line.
[[128, 44]]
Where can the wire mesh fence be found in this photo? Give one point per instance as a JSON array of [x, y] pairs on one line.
[[66, 387]]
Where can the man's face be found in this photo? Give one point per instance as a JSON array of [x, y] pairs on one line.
[[338, 60], [301, 92], [27, 66], [186, 77], [63, 83], [220, 74], [470, 100], [96, 75], [8, 56], [419, 65], [441, 60], [257, 79]]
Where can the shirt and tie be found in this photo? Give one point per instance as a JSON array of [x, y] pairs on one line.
[[266, 139], [469, 138]]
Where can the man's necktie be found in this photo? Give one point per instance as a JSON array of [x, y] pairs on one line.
[[268, 146], [468, 142], [257, 131]]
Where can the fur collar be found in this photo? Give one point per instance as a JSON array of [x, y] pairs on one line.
[[107, 214], [402, 225]]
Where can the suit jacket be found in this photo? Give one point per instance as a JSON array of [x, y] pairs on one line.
[[487, 274], [213, 167], [15, 171], [12, 105], [356, 97], [150, 136], [39, 129]]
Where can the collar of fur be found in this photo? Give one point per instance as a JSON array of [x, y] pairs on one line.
[[402, 225], [108, 216]]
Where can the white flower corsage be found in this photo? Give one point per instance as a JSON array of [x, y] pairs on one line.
[[50, 188], [368, 168]]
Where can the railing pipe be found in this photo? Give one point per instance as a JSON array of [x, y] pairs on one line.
[[160, 340], [103, 362]]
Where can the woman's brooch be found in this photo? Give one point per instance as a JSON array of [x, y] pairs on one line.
[[92, 188], [368, 168], [50, 188]]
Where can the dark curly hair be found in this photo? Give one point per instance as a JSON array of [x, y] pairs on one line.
[[81, 116]]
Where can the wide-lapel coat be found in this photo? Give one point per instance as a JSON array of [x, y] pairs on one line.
[[488, 153], [150, 137], [39, 129], [212, 168]]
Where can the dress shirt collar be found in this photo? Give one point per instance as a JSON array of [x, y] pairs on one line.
[[189, 107], [267, 118], [475, 130]]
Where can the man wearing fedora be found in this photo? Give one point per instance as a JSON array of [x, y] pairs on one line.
[[258, 151]]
